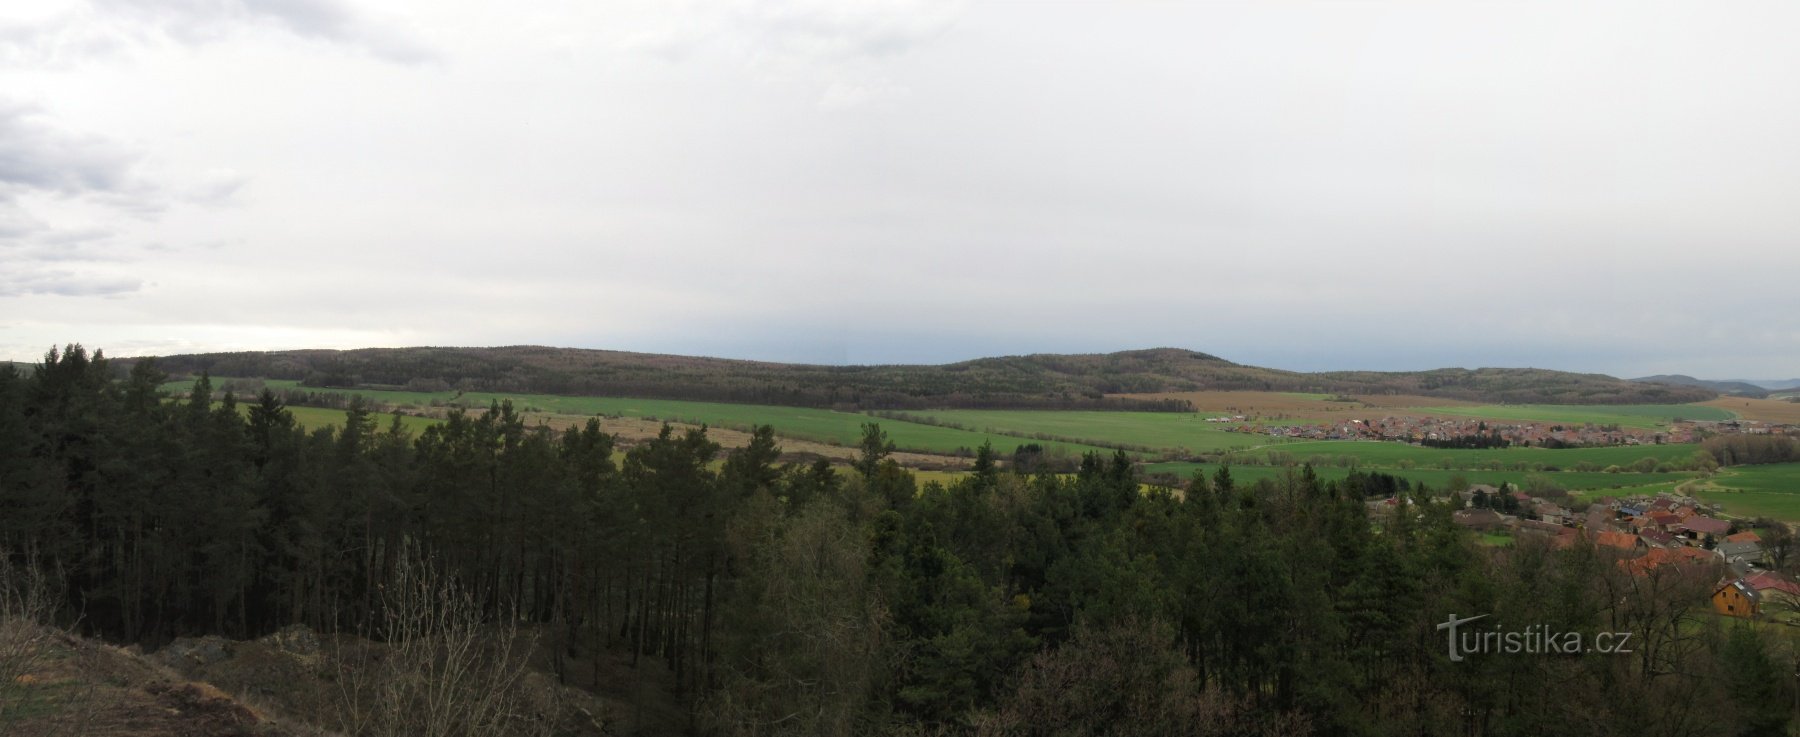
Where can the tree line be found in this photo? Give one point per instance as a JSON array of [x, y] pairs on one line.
[[1744, 450], [777, 599]]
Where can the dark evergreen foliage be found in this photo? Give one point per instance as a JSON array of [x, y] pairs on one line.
[[805, 599]]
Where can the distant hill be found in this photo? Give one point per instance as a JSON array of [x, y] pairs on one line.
[[1734, 388], [1033, 381], [1774, 385]]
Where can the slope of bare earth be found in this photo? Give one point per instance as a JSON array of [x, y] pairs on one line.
[[85, 688], [289, 684]]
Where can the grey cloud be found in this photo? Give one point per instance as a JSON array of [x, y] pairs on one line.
[[38, 160], [847, 30], [37, 156], [201, 21], [57, 42], [64, 283], [216, 188], [836, 46]]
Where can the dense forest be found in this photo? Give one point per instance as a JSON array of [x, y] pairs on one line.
[[769, 599], [1024, 382]]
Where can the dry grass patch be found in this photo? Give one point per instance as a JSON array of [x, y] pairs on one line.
[[1289, 405], [1764, 410]]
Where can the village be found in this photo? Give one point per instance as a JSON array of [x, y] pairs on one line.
[[1467, 432], [1651, 536]]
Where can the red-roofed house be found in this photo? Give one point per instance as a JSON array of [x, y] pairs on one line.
[[1747, 536], [1622, 541], [1697, 526], [1660, 557]]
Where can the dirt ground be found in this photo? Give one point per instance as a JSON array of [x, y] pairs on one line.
[[88, 688]]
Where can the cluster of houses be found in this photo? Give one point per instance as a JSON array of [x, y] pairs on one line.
[[1648, 534], [1696, 428], [1422, 430]]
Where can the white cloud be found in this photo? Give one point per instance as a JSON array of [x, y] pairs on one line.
[[1380, 185]]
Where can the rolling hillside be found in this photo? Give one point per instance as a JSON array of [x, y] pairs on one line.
[[1043, 381], [1736, 388]]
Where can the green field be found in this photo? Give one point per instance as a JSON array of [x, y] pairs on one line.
[[1622, 483], [1626, 415], [1171, 430], [317, 417], [820, 425], [1756, 491], [1375, 453], [1007, 429]]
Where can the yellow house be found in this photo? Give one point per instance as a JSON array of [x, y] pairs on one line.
[[1736, 599]]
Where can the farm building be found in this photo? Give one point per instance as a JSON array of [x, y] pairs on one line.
[[1744, 552], [1736, 599]]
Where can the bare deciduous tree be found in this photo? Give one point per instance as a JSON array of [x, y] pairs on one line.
[[446, 669]]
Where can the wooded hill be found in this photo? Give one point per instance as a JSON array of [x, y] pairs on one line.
[[1736, 388], [1035, 381]]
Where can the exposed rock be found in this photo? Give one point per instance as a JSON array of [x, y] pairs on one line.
[[297, 639], [190, 654]]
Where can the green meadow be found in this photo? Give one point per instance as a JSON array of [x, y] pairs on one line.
[[1170, 430], [317, 417], [819, 425], [1756, 491], [1625, 415], [1622, 483], [1080, 432], [1375, 453]]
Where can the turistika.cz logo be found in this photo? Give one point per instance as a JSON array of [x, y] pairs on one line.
[[1536, 639]]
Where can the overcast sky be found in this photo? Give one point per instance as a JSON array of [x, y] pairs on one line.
[[1609, 187]]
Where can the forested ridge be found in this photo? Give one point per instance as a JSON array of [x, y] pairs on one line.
[[1043, 381], [774, 599]]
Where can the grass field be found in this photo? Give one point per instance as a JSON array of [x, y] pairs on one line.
[[1627, 415], [1252, 402], [819, 425], [313, 418], [1170, 430], [1756, 491], [1373, 453], [1622, 483], [1160, 430]]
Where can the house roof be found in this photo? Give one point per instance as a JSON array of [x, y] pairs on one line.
[[1659, 557], [1745, 536], [1620, 540], [1738, 549], [1657, 537], [1706, 525], [1476, 517], [1769, 580], [1742, 587]]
